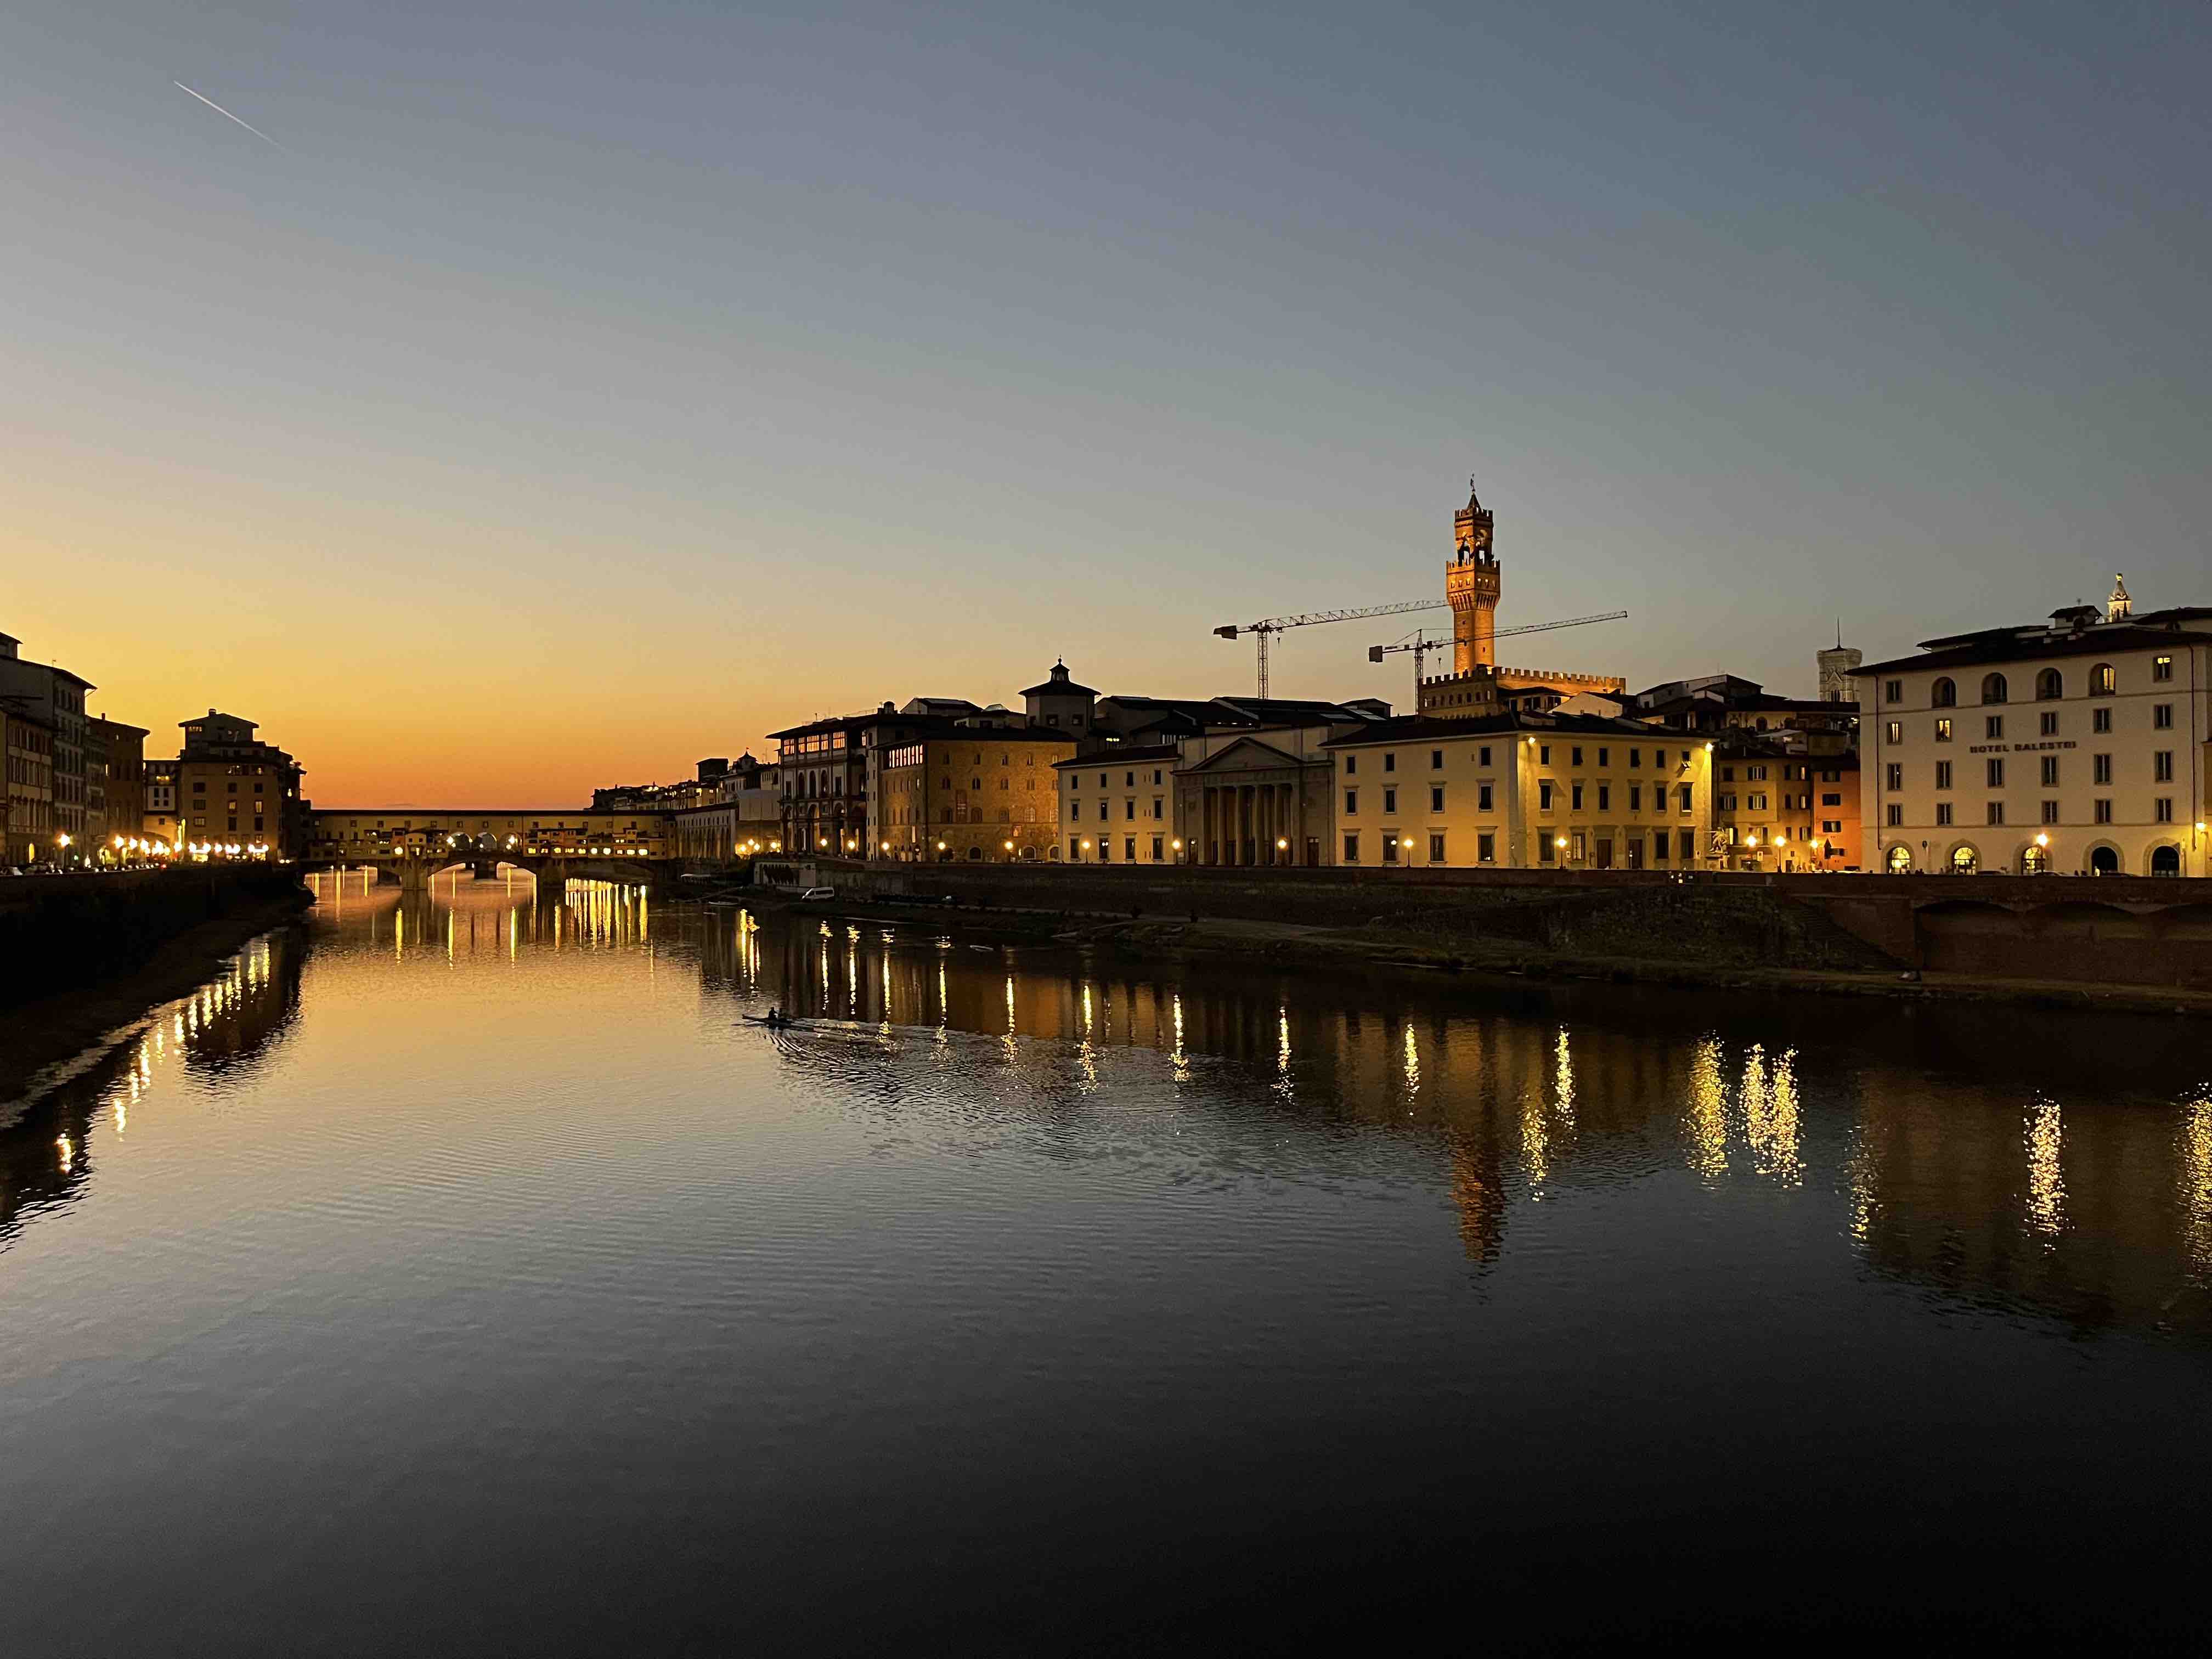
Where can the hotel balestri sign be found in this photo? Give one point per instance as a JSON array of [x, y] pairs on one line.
[[2015, 748]]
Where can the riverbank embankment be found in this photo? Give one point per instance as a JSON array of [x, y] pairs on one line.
[[2053, 942], [82, 956]]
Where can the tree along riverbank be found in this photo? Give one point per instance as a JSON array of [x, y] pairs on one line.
[[114, 959]]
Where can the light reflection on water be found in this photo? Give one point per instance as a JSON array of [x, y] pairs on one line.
[[480, 1172]]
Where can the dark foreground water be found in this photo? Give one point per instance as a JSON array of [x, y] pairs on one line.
[[459, 1275]]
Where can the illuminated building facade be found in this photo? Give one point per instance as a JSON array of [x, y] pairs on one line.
[[235, 790], [1120, 806], [2075, 746], [1522, 790], [969, 792]]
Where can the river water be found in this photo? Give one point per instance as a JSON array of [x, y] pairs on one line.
[[457, 1273]]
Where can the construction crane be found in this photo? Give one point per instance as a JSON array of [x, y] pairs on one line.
[[1267, 627], [1420, 645]]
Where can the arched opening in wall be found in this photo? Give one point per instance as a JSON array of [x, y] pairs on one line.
[[975, 855], [2165, 860], [1029, 853], [1943, 694], [2034, 861], [1993, 688], [1965, 860], [1054, 854], [2101, 681], [1900, 859], [2104, 860], [2050, 685]]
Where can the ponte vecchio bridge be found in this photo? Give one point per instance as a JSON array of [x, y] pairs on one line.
[[410, 845]]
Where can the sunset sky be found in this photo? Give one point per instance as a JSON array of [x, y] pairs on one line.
[[582, 389]]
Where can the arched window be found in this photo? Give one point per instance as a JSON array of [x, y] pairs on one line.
[[2165, 860], [1993, 688], [2050, 685], [1965, 860], [2035, 860], [2104, 861], [1901, 861], [1943, 694], [2100, 680]]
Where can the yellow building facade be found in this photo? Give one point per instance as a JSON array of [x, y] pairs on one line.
[[969, 795], [1522, 792]]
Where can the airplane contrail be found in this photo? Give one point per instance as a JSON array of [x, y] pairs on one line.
[[219, 110]]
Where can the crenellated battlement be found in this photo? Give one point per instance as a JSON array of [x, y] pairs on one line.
[[1561, 680]]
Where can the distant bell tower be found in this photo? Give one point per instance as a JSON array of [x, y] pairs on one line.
[[2119, 607], [1471, 586]]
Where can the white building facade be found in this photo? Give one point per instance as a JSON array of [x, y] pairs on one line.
[[2075, 746]]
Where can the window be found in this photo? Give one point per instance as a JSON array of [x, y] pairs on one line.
[[1894, 775], [1352, 803], [2050, 812], [1659, 847], [1943, 775], [1351, 849], [2104, 814], [1993, 725], [2101, 680], [1689, 847], [1582, 848], [1545, 850], [1483, 758], [1942, 812], [1893, 732], [2163, 812], [1389, 844], [1486, 849], [1575, 755], [2161, 767], [1996, 811], [2050, 686], [1436, 849], [1158, 848], [2100, 720], [1831, 826], [1351, 765], [1604, 797], [1943, 694], [1727, 774], [1102, 812], [2100, 768], [1437, 799], [1577, 801], [1074, 811], [1636, 798], [1129, 848], [1636, 757], [1155, 782], [1390, 760], [1436, 760], [2162, 668], [1943, 730], [1830, 798], [1893, 690], [1128, 809], [1482, 797], [2048, 726], [1995, 773], [1993, 688], [1685, 802], [2049, 777], [1895, 814], [1389, 805], [2161, 716], [1544, 796], [1543, 754]]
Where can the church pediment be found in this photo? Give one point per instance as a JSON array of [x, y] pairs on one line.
[[1248, 755]]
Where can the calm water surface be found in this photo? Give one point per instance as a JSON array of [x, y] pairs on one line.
[[458, 1273]]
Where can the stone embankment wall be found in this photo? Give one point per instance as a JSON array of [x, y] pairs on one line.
[[2127, 931], [59, 932]]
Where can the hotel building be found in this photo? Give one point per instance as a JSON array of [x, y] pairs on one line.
[[2078, 746]]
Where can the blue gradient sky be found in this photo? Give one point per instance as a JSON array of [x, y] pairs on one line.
[[584, 388]]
